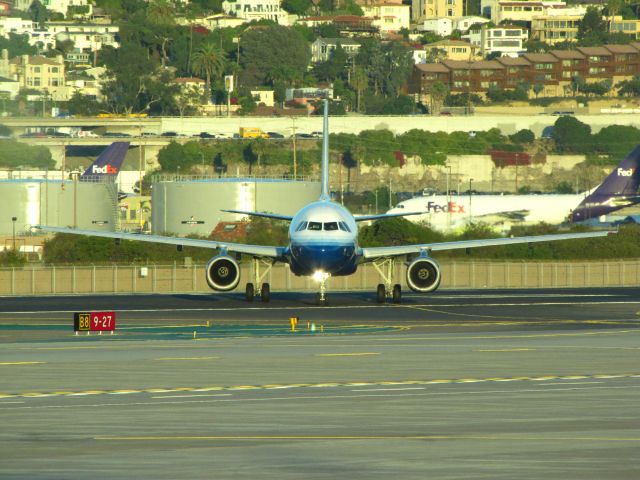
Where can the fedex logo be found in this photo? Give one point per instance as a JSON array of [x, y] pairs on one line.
[[625, 173], [449, 207], [108, 169]]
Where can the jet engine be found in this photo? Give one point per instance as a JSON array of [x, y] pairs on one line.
[[223, 273], [423, 275]]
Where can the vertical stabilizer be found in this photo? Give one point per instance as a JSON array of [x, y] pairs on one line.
[[108, 163], [619, 190], [324, 170]]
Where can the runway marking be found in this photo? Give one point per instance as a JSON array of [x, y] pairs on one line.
[[21, 363], [387, 389], [317, 385], [568, 383], [186, 358], [359, 354], [190, 396], [323, 397], [337, 307], [506, 350], [494, 437]]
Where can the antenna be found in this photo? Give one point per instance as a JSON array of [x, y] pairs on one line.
[[324, 169]]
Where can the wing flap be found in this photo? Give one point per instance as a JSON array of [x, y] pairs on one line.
[[257, 250], [377, 252]]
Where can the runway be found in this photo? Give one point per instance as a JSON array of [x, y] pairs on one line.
[[464, 384]]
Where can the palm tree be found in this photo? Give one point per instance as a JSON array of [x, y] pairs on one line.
[[208, 60]]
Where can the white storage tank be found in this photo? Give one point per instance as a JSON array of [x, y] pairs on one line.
[[185, 206]]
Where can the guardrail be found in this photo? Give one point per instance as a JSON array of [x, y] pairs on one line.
[[190, 279]]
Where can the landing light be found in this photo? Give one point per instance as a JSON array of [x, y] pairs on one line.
[[320, 276]]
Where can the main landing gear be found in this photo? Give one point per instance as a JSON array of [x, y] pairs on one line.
[[387, 290], [263, 290]]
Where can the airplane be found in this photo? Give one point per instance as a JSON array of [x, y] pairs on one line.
[[450, 212], [107, 164], [323, 243]]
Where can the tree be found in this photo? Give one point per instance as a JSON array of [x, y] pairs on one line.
[[85, 105], [272, 54], [592, 29], [359, 82], [209, 60], [39, 13], [249, 156], [629, 88], [333, 67], [538, 88], [571, 135], [437, 94], [349, 162], [17, 45], [297, 7], [523, 136]]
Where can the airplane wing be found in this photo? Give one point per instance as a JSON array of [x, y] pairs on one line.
[[378, 252], [257, 250], [380, 216], [261, 214]]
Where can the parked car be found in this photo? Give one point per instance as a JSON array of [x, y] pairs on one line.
[[169, 134], [206, 135], [275, 135]]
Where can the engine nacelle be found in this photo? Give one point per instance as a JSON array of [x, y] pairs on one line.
[[423, 275], [223, 273]]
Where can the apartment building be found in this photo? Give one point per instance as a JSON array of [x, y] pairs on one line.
[[40, 73], [424, 9], [388, 17], [505, 40], [548, 74], [322, 48], [628, 27], [451, 50], [257, 10]]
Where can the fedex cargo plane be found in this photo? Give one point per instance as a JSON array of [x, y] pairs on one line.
[[442, 212], [108, 163]]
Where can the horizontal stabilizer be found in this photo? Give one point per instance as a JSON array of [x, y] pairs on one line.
[[261, 214], [381, 216]]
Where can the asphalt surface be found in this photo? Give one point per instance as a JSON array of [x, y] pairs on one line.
[[465, 384]]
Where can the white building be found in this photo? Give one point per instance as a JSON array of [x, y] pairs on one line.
[[507, 40], [86, 37], [15, 25], [257, 10], [526, 11], [389, 17], [442, 26], [464, 23], [322, 48], [214, 22], [60, 6]]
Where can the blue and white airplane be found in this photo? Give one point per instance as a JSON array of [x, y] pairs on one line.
[[323, 242]]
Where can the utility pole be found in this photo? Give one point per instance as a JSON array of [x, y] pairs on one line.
[[13, 220], [293, 137]]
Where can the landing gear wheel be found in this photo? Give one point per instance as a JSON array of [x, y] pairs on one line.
[[249, 292], [381, 294], [265, 293], [397, 293]]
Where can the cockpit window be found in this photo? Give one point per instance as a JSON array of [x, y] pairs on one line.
[[315, 226], [301, 226], [343, 226], [331, 225]]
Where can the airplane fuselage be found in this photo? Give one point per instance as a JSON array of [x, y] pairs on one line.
[[323, 237]]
